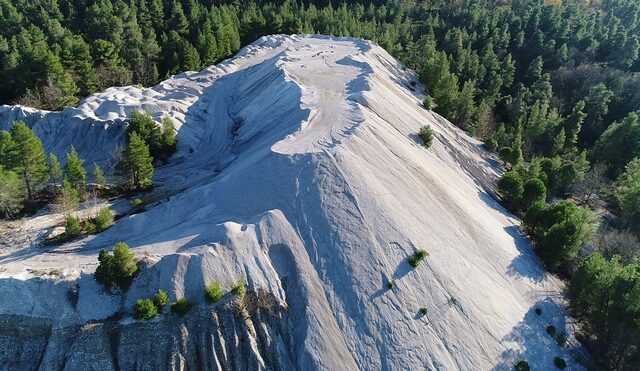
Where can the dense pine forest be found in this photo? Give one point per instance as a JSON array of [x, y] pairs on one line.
[[552, 86]]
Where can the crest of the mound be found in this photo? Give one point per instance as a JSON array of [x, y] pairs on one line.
[[300, 171]]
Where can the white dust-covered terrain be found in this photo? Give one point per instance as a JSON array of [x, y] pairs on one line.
[[299, 170]]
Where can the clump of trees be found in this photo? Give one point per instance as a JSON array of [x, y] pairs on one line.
[[604, 295], [25, 169], [146, 309], [116, 268], [559, 230], [75, 227], [161, 140]]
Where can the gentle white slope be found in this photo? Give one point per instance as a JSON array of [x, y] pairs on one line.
[[299, 169]]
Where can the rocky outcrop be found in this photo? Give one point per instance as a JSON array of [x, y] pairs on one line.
[[249, 333]]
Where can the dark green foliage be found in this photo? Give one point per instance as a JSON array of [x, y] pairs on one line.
[[136, 165], [145, 309], [511, 188], [534, 190], [605, 295], [136, 202], [143, 125], [72, 227], [628, 191], [213, 292], [560, 363], [559, 230], [103, 220], [239, 289], [11, 194], [424, 311], [426, 133], [181, 307], [417, 257], [619, 144], [160, 300], [116, 268], [522, 366]]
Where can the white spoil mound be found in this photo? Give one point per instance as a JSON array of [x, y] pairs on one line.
[[299, 169]]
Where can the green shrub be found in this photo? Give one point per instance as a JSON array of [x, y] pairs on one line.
[[181, 307], [160, 300], [72, 226], [415, 259], [551, 330], [429, 103], [89, 227], [136, 203], [560, 363], [213, 293], [522, 366], [426, 133], [424, 311], [103, 220], [145, 309], [117, 268], [491, 144], [239, 289]]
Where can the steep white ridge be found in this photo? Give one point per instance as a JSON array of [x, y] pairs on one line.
[[299, 170]]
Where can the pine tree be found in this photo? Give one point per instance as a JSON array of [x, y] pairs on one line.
[[75, 171], [11, 194], [55, 170], [573, 124], [7, 150], [68, 198], [559, 142], [136, 165], [169, 140], [98, 175], [30, 161], [628, 190]]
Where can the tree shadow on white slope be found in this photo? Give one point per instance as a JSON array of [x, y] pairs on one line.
[[527, 264], [529, 341]]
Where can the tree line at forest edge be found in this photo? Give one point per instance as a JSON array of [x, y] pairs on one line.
[[552, 86]]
